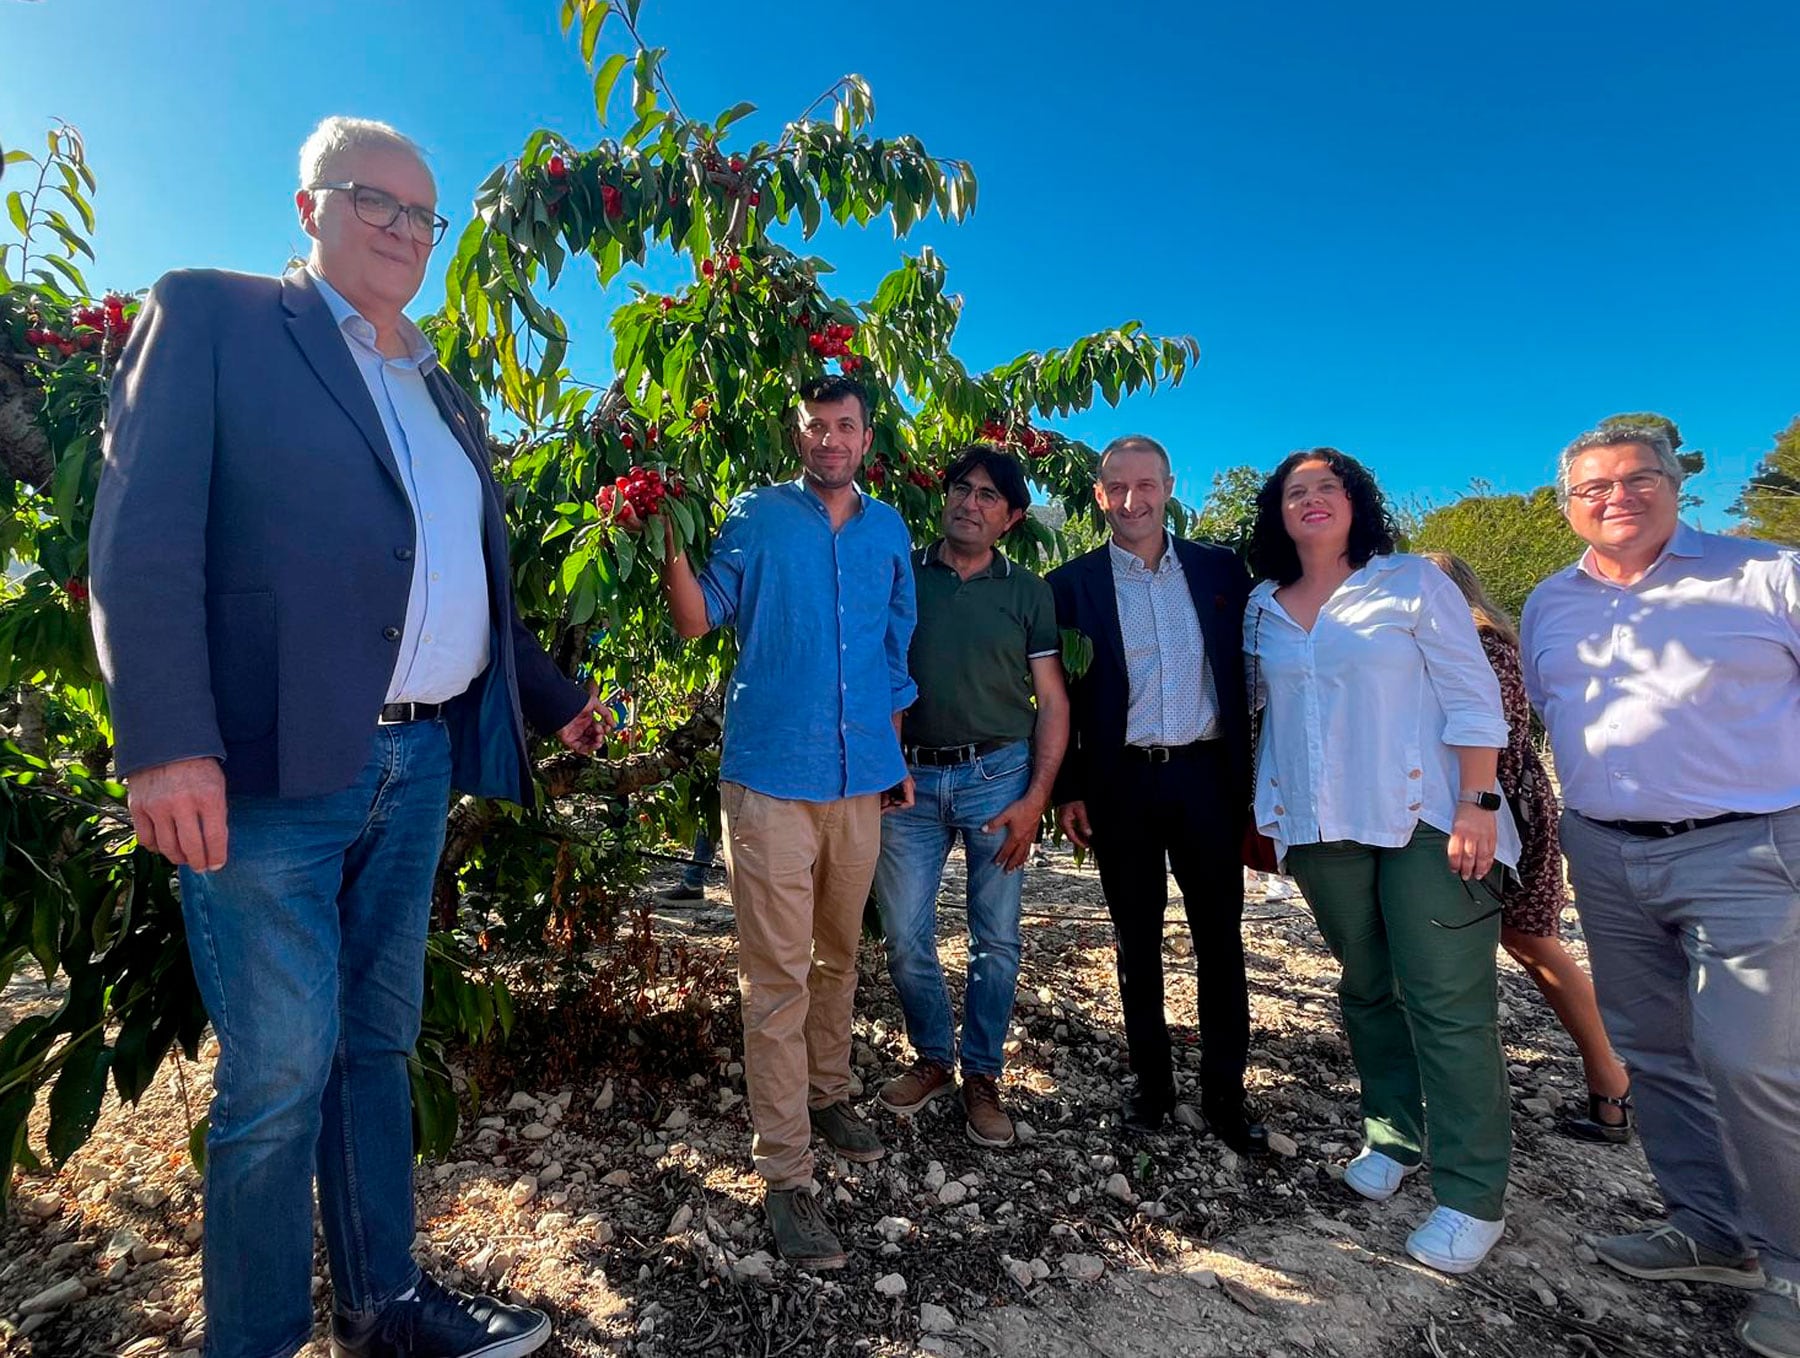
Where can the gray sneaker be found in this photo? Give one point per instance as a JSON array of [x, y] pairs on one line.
[[847, 1133], [802, 1235], [1666, 1255], [1771, 1326]]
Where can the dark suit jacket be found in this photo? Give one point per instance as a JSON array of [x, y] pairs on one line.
[[1098, 700], [251, 553]]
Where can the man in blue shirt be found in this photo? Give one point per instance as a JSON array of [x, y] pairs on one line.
[[815, 577]]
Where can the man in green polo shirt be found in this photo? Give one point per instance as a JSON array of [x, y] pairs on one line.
[[982, 744]]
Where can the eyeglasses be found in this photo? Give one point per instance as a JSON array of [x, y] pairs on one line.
[[380, 208], [1599, 490], [984, 496]]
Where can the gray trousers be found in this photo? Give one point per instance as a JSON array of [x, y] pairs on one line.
[[1695, 947]]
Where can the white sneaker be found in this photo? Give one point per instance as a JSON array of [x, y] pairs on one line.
[[1376, 1176], [1454, 1242]]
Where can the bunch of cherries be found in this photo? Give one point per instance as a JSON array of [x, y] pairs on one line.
[[1032, 442], [95, 326], [641, 490]]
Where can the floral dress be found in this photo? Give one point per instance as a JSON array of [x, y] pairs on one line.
[[1535, 902]]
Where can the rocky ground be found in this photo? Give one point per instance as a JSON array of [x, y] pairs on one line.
[[626, 1206]]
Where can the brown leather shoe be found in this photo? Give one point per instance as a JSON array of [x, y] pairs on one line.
[[987, 1122], [909, 1093]]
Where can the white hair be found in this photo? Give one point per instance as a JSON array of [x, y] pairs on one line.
[[336, 134]]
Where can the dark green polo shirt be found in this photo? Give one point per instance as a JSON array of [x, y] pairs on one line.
[[972, 651]]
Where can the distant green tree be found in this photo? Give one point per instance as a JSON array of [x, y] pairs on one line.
[[1770, 502], [1512, 541], [1230, 509]]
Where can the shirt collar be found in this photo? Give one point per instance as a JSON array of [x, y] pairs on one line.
[[999, 568], [1131, 562], [799, 484], [419, 353], [1684, 542]]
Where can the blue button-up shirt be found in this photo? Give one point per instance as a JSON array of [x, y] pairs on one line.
[[444, 645], [823, 620]]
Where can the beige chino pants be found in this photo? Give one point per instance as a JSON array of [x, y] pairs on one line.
[[799, 874]]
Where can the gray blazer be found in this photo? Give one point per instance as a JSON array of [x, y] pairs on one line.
[[251, 553]]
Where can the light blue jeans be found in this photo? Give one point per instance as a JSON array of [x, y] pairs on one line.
[[309, 948], [950, 802]]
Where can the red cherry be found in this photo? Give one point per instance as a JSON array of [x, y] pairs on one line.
[[755, 200], [668, 304], [557, 168], [628, 441], [76, 589], [706, 268], [732, 262], [612, 201], [737, 163]]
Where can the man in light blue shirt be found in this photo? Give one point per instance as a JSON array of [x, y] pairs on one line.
[[815, 577], [1666, 664]]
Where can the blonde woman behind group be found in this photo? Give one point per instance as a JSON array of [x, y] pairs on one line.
[[1533, 905]]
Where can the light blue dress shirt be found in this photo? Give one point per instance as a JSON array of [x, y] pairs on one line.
[[444, 644], [1676, 697], [1172, 700], [823, 623]]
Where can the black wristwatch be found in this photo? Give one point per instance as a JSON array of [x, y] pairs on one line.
[[1486, 801]]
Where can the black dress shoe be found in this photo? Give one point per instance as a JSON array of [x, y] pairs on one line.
[[1145, 1109], [436, 1322], [1237, 1123]]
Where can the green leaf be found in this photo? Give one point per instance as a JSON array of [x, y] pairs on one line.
[[197, 1143], [76, 1096], [732, 114], [15, 208], [590, 32], [604, 80]]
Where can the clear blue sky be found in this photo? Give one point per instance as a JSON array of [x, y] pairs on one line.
[[1443, 237]]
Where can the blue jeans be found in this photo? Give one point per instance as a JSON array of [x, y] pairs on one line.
[[951, 801], [694, 874], [309, 948]]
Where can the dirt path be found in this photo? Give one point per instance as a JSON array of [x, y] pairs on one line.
[[628, 1208]]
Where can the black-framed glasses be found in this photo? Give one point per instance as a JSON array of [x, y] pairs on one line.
[[1598, 491], [380, 208]]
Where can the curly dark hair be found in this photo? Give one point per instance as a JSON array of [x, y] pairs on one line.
[[1372, 528]]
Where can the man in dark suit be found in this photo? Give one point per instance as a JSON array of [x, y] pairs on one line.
[[304, 617], [1157, 774]]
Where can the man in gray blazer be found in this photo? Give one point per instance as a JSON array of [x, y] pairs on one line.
[[302, 604]]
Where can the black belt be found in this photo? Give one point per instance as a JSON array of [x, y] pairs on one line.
[[1162, 754], [398, 714], [1668, 829], [939, 756]]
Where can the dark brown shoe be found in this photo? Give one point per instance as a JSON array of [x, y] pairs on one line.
[[848, 1133], [909, 1093], [986, 1121]]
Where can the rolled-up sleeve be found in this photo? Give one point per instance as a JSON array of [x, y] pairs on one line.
[[722, 578], [1456, 666]]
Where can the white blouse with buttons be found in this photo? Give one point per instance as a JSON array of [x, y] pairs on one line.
[[1360, 713]]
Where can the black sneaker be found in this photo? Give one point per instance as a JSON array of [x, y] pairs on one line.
[[848, 1133], [436, 1322], [802, 1234], [681, 891]]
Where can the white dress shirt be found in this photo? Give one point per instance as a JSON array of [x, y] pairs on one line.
[[1677, 697], [1360, 714], [1172, 698], [444, 644]]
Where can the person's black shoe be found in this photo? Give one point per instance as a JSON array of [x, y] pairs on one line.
[[681, 891], [436, 1322], [1145, 1108], [1236, 1122]]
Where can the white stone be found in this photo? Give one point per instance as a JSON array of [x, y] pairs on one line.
[[521, 1102], [1083, 1268], [53, 1298], [1040, 1269], [618, 1178], [1024, 1131], [891, 1285], [893, 1228], [552, 1222], [524, 1189], [953, 1192], [935, 1319], [535, 1131], [605, 1098], [676, 1120], [550, 1173], [1186, 1115], [1119, 1187], [934, 1177], [1283, 1145], [603, 1232], [145, 1253], [683, 1218], [1020, 1272], [123, 1242], [755, 1267]]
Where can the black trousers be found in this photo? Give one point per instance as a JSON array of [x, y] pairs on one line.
[[1183, 816]]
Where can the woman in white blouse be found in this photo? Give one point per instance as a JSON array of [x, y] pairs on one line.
[[1375, 777]]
